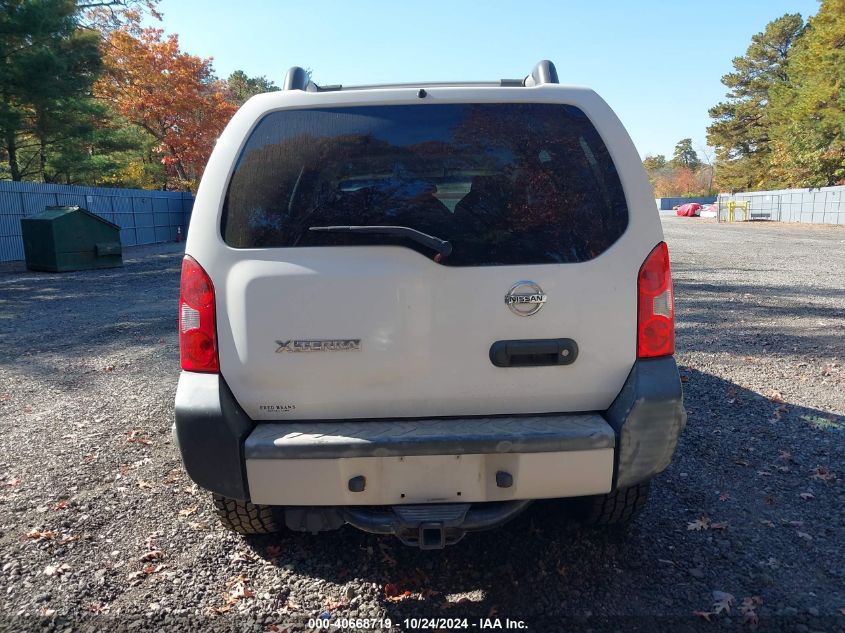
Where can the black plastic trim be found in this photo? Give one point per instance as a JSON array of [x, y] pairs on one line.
[[296, 79], [534, 352], [648, 417], [544, 73], [211, 428]]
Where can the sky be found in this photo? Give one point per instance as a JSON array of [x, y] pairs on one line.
[[657, 63]]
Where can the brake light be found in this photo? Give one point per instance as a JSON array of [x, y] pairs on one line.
[[197, 326], [656, 307]]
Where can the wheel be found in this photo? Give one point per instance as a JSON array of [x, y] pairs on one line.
[[244, 517], [619, 506]]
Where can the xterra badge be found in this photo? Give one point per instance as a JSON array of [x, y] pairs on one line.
[[328, 345]]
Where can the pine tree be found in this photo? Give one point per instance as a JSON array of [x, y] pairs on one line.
[[47, 66], [808, 111], [741, 130], [685, 155]]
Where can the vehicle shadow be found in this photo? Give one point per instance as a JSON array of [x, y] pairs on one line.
[[540, 566], [745, 318]]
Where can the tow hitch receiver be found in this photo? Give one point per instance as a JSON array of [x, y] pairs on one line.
[[432, 526]]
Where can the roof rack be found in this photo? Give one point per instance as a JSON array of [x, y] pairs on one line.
[[544, 72]]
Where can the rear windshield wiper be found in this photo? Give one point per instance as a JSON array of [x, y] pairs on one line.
[[443, 247]]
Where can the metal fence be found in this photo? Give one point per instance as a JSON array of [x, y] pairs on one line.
[[819, 205], [144, 216]]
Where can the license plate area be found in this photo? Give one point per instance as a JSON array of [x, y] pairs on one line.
[[432, 478]]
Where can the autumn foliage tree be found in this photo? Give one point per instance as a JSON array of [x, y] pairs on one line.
[[684, 175], [172, 95]]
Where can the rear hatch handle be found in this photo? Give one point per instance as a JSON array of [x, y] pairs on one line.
[[534, 352], [442, 247]]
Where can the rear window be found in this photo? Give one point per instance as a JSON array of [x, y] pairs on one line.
[[504, 183]]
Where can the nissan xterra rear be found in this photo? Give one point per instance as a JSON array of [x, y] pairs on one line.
[[416, 308]]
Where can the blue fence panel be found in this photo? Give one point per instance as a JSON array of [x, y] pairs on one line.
[[35, 202], [144, 216]]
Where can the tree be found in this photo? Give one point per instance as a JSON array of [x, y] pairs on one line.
[[685, 155], [47, 67], [106, 16], [654, 163], [242, 87], [740, 132], [172, 95], [808, 111]]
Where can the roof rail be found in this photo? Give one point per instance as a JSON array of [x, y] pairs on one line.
[[297, 78]]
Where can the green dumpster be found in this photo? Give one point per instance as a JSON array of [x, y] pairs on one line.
[[60, 239]]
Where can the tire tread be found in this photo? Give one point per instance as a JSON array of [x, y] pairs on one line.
[[245, 517], [619, 506]]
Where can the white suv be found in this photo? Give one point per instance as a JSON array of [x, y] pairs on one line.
[[416, 308]]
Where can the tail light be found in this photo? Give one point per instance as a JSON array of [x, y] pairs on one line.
[[656, 307], [197, 329]]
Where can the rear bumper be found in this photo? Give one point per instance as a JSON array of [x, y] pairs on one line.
[[429, 461]]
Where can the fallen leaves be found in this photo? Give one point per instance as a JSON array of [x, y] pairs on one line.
[[186, 512], [704, 523], [725, 496], [41, 535], [145, 485], [174, 476], [807, 496], [238, 589], [61, 505], [243, 556], [11, 482], [804, 536], [152, 555], [138, 436], [778, 413], [748, 610], [393, 593], [776, 396], [822, 473], [699, 524], [722, 602]]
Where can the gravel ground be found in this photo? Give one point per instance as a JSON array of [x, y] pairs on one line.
[[100, 528]]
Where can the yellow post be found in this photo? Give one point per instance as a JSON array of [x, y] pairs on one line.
[[732, 205]]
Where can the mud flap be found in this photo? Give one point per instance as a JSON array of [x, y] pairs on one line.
[[648, 417]]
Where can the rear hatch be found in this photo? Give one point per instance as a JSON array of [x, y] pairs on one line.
[[335, 324]]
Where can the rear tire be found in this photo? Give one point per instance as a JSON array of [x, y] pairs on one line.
[[244, 517], [614, 508]]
